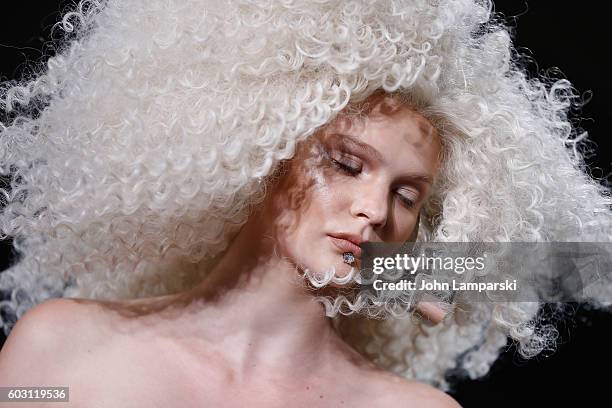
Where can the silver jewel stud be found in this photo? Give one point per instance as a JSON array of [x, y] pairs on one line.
[[348, 257]]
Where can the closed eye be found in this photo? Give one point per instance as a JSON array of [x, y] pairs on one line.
[[354, 170], [407, 202]]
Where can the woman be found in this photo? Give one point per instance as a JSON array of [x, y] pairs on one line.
[[277, 346], [202, 157]]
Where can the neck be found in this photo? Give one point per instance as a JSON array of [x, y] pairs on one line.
[[260, 314]]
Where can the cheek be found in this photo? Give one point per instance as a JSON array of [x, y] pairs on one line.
[[325, 200], [408, 228], [330, 189], [313, 195], [310, 202], [401, 225]]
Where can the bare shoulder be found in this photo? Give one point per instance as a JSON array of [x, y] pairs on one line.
[[400, 392], [46, 338], [46, 322], [428, 396], [54, 319]]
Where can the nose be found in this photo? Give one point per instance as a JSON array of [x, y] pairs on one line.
[[372, 205]]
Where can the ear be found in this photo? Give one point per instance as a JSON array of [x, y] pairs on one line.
[[415, 232]]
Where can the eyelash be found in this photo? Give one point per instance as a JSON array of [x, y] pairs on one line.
[[353, 172]]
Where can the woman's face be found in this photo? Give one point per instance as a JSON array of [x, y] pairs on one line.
[[359, 180]]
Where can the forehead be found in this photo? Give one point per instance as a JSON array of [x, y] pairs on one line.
[[389, 126]]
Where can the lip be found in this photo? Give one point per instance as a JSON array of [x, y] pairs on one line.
[[346, 245]]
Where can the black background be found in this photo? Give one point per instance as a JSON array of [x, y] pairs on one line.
[[574, 39]]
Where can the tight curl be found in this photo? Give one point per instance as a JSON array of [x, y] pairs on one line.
[[139, 150]]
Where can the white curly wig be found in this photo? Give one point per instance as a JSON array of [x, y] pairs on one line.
[[139, 150]]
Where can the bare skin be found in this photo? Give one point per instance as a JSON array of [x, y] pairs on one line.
[[250, 333]]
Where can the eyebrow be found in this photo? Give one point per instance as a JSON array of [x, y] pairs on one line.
[[372, 152], [363, 147]]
